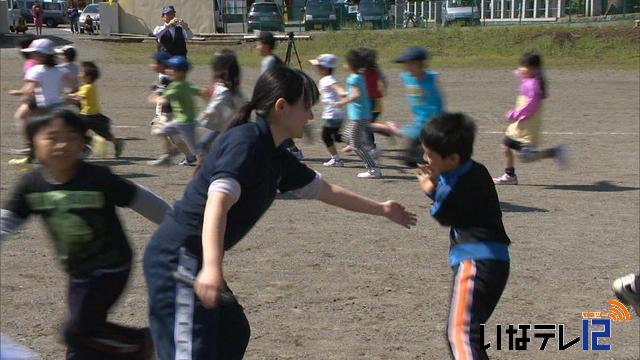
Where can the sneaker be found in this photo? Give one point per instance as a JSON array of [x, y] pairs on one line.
[[333, 162], [375, 152], [623, 291], [297, 153], [561, 157], [118, 147], [190, 161], [371, 174], [23, 164], [164, 160], [99, 148], [505, 179]]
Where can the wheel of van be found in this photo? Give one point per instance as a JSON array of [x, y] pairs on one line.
[[50, 23], [82, 30]]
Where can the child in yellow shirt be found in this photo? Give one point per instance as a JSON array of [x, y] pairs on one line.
[[90, 106]]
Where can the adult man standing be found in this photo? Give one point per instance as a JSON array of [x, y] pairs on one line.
[[173, 35]]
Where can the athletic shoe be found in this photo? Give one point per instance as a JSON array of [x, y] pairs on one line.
[[23, 151], [99, 148], [190, 161], [622, 288], [561, 157], [297, 153], [118, 147], [333, 162], [505, 179], [23, 164], [164, 160], [371, 174], [376, 152]]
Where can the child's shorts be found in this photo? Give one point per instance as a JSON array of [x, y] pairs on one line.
[[187, 131], [100, 125], [512, 144]]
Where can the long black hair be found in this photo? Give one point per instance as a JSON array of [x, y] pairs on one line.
[[534, 60], [275, 83], [224, 65]]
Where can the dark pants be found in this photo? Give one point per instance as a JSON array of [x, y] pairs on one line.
[[100, 125], [74, 25], [331, 135], [477, 287], [181, 327], [87, 333]]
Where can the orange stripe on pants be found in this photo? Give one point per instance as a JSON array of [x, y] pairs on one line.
[[459, 324]]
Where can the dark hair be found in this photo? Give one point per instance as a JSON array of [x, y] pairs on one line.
[[224, 65], [534, 60], [48, 60], [450, 133], [23, 45], [70, 54], [277, 82], [91, 70], [369, 58], [355, 60], [267, 38], [71, 119]]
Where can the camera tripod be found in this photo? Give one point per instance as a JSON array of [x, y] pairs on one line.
[[291, 45]]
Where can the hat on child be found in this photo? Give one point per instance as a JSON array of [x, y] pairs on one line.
[[412, 53], [42, 46], [178, 63], [168, 10], [66, 50], [161, 57], [328, 61]]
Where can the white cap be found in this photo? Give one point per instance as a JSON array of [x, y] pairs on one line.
[[42, 46], [63, 49], [329, 61]]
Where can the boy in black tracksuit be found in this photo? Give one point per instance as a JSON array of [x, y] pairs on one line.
[[464, 197]]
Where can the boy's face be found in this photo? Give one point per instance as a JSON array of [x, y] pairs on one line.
[[415, 67], [438, 163], [263, 49], [176, 74], [59, 146]]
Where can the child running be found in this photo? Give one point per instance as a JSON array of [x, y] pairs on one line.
[[67, 63], [376, 87], [465, 198], [424, 97], [87, 95], [225, 99], [77, 201], [523, 132], [332, 115], [359, 112], [180, 94], [231, 191]]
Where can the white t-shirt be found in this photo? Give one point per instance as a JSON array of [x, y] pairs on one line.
[[49, 81], [329, 98], [222, 107], [72, 70]]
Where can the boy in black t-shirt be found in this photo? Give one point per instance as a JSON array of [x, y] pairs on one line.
[[464, 197], [77, 201]]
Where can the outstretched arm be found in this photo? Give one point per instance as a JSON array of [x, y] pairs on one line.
[[149, 205], [343, 198]]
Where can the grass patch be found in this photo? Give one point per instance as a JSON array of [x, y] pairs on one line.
[[611, 46]]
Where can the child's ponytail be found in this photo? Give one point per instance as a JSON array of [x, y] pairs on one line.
[[242, 116]]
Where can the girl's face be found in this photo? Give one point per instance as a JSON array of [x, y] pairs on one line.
[[293, 116], [58, 146], [527, 72]]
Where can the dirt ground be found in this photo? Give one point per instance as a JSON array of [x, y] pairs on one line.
[[322, 283]]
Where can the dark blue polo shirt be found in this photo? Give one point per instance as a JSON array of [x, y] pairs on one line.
[[247, 154]]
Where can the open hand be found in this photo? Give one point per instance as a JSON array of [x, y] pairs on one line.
[[397, 213]]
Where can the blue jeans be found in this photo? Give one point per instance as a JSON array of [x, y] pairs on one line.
[[181, 327]]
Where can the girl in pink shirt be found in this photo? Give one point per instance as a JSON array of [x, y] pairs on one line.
[[523, 131]]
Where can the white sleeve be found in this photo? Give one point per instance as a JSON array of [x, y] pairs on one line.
[[146, 203], [229, 186], [158, 31], [33, 74], [310, 191], [9, 223]]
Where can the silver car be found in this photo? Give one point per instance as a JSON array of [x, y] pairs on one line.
[[92, 10]]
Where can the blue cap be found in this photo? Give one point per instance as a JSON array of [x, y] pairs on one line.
[[168, 9], [161, 57], [179, 63], [413, 53]]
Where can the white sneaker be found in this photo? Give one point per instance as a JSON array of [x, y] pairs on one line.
[[163, 160], [371, 174], [505, 179], [333, 162], [622, 288], [376, 152]]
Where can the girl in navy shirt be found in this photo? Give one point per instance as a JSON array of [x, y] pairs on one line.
[[233, 188]]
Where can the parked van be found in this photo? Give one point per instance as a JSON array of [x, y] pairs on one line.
[[319, 15], [55, 13], [465, 11]]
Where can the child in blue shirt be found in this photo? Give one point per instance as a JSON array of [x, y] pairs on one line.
[[424, 97], [464, 198], [359, 112]]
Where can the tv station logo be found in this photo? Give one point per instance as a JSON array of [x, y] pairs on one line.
[[595, 331]]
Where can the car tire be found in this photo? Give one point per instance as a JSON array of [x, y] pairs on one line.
[[81, 30], [51, 23]]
